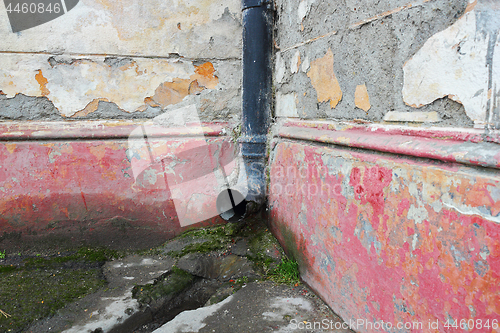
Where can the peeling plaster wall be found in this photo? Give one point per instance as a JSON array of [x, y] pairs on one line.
[[357, 50], [127, 59], [461, 62]]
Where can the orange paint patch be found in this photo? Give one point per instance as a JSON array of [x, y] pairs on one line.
[[98, 151], [195, 88], [10, 147], [42, 81], [172, 92], [204, 74], [361, 98], [90, 108], [169, 93], [149, 101], [324, 80]]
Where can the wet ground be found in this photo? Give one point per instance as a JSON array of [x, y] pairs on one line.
[[230, 278]]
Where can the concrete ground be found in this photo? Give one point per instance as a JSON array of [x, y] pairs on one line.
[[208, 281], [260, 306]]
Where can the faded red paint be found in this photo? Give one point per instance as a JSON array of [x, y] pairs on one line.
[[86, 190], [389, 238]]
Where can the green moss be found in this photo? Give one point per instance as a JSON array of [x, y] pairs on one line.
[[31, 294], [287, 272], [205, 247], [87, 255], [6, 269], [168, 285], [42, 285], [215, 239]]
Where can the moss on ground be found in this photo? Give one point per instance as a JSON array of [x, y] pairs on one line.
[[168, 285], [28, 295], [286, 272], [39, 286], [214, 239]]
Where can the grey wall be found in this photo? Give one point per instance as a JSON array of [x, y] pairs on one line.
[[385, 61]]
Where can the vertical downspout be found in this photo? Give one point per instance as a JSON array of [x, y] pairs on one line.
[[256, 109]]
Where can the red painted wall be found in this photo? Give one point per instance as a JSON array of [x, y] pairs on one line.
[[86, 183], [392, 238]]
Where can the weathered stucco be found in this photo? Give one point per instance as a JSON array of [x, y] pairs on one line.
[[154, 28], [112, 59], [370, 42], [461, 62]]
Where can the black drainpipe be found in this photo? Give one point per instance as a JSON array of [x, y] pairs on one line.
[[256, 107]]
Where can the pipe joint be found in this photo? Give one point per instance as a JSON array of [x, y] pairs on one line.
[[246, 4]]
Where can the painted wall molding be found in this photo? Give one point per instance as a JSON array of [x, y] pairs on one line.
[[465, 146]]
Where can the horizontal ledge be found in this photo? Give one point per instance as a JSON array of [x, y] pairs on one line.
[[102, 130], [465, 146]]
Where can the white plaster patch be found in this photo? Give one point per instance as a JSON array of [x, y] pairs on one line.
[[295, 62], [303, 10], [286, 105], [306, 64], [461, 62], [417, 212], [414, 117], [414, 241], [280, 68], [484, 255]]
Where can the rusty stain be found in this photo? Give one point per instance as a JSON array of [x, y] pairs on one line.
[[42, 81], [324, 80], [361, 98]]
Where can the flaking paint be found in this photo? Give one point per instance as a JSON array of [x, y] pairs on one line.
[[365, 249], [75, 87], [85, 190], [324, 81]]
